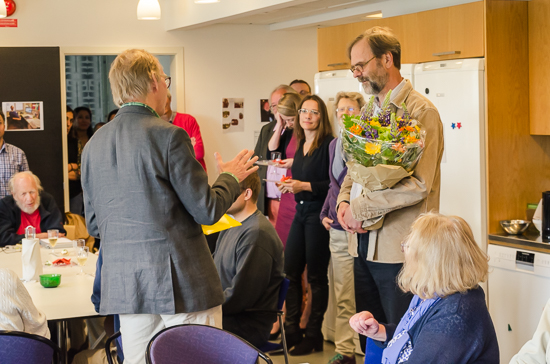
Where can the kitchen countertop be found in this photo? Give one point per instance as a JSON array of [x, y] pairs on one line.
[[527, 240]]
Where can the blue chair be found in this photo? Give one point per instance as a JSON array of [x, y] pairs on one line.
[[18, 347], [373, 353], [192, 344], [270, 347]]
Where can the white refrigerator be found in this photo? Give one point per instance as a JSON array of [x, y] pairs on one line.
[[456, 88]]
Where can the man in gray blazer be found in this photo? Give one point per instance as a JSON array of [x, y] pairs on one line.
[[146, 196]]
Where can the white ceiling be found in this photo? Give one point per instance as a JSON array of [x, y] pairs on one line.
[[293, 12], [289, 14]]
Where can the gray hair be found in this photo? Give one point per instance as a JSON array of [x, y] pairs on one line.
[[287, 88], [11, 182], [353, 96]]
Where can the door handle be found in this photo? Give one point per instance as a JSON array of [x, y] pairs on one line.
[[445, 53], [337, 64]]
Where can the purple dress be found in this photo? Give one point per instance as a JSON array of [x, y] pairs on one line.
[[287, 208]]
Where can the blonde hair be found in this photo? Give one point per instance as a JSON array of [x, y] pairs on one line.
[[11, 182], [443, 257], [353, 96], [288, 104], [131, 75]]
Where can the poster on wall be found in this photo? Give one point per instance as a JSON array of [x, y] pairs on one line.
[[24, 115], [233, 114]]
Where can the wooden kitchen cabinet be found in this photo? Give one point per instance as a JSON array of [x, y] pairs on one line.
[[447, 33], [332, 47]]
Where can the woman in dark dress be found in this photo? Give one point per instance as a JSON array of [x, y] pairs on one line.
[[78, 136], [308, 240]]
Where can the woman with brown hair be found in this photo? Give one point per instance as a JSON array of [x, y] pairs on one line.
[[308, 240], [79, 134]]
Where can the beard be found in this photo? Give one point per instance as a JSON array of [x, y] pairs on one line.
[[374, 83], [28, 210]]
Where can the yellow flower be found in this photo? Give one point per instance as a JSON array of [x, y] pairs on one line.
[[410, 139], [356, 129], [375, 123], [372, 148]]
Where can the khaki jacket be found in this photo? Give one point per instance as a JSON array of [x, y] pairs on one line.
[[412, 196]]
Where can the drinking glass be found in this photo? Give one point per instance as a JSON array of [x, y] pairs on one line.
[[78, 243], [53, 235], [276, 156], [81, 258]]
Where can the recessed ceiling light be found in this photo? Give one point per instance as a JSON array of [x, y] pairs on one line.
[[206, 1], [376, 15]]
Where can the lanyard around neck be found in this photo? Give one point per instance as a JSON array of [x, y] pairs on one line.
[[135, 103]]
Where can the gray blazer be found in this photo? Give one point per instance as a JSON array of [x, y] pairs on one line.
[[146, 196]]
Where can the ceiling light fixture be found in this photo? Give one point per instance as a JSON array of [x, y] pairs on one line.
[[147, 10], [3, 9], [376, 15], [206, 1]]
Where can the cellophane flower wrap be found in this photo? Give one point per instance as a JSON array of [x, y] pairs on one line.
[[393, 145]]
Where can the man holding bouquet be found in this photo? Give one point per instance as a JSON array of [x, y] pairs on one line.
[[376, 59]]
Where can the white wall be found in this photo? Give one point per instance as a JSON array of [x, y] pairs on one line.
[[220, 61]]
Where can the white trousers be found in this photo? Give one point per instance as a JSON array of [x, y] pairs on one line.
[[137, 330], [344, 291]]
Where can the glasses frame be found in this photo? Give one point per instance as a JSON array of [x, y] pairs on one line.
[[168, 81], [344, 109], [306, 111], [360, 66]]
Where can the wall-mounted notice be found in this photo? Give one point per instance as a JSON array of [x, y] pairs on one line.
[[24, 115], [233, 114]]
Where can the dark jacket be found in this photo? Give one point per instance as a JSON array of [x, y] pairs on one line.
[[262, 152], [146, 195], [10, 218], [457, 330]]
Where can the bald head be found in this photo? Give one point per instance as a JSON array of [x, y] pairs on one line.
[[25, 188]]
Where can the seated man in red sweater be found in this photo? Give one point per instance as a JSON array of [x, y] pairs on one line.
[[27, 205], [190, 125]]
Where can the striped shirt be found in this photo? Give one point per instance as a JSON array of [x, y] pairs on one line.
[[12, 160]]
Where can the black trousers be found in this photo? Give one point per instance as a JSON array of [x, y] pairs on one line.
[[307, 243], [376, 288]]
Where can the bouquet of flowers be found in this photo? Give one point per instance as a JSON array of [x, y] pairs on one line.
[[381, 148]]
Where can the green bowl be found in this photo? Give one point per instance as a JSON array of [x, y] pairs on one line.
[[50, 280]]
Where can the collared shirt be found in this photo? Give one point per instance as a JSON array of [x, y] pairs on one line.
[[12, 160]]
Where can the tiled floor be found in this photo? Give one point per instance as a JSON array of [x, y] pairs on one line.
[[315, 358]]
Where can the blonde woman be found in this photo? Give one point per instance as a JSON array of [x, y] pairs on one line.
[[447, 320]]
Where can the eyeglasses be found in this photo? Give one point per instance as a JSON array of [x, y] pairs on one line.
[[344, 109], [168, 81], [273, 108], [403, 246], [306, 111], [359, 66]]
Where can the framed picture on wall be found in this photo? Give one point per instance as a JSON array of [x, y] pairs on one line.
[[23, 115]]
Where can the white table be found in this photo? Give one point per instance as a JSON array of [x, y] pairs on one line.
[[71, 299]]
